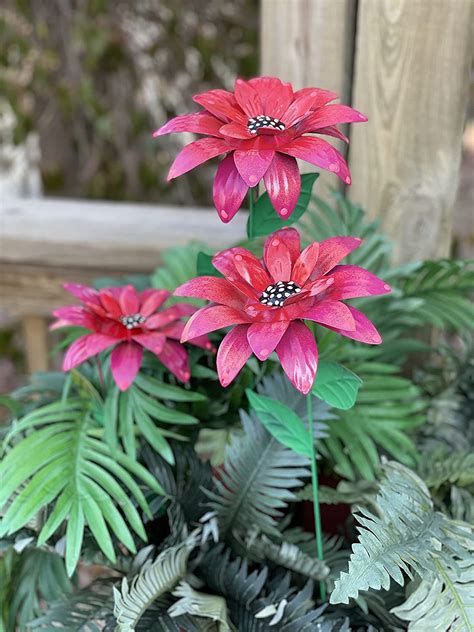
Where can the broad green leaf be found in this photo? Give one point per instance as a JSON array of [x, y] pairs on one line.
[[204, 266], [336, 385], [264, 220], [281, 422]]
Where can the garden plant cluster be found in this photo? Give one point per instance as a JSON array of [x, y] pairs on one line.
[[259, 438]]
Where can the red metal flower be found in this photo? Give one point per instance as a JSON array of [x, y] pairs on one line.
[[121, 317], [268, 301], [261, 127]]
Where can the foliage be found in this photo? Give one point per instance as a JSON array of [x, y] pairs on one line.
[[58, 459], [255, 483], [406, 536], [93, 79], [89, 472]]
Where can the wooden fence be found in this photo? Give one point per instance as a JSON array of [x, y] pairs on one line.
[[404, 63]]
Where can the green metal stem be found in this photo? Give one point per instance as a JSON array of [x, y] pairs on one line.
[[314, 481]]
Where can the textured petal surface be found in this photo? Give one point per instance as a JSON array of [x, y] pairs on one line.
[[320, 153], [153, 341], [224, 261], [251, 271], [221, 103], [332, 251], [299, 109], [333, 115], [252, 164], [298, 355], [229, 189], [84, 348], [129, 301], [353, 282], [197, 123], [305, 263], [175, 358], [364, 331], [275, 95], [235, 130], [74, 315], [212, 289], [151, 300], [264, 337], [211, 318], [320, 97], [277, 258], [110, 303], [233, 353], [82, 292], [248, 98], [169, 314], [125, 362], [283, 184], [331, 313], [195, 154]]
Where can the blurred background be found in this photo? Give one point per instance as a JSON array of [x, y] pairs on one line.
[[84, 83]]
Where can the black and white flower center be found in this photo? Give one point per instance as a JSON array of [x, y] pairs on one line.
[[255, 123], [275, 295], [132, 320]]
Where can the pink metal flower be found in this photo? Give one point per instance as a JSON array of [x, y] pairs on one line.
[[262, 127], [121, 317], [267, 302]]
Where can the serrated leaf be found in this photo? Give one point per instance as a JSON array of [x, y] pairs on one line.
[[336, 385], [264, 220]]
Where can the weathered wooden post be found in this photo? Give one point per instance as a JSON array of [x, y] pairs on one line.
[[408, 70], [412, 63]]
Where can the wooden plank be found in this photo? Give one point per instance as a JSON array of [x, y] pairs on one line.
[[412, 66], [310, 43], [35, 333], [33, 289], [105, 235]]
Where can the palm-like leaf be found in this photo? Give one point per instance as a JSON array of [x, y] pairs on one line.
[[200, 604], [179, 265], [133, 599], [60, 463], [387, 409], [256, 481], [407, 535]]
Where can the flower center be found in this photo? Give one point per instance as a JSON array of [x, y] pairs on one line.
[[275, 295], [132, 320], [255, 123]]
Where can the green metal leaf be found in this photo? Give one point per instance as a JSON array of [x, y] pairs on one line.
[[264, 220], [281, 422], [336, 385], [205, 267]]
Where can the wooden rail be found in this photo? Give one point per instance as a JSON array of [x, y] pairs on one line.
[[44, 242]]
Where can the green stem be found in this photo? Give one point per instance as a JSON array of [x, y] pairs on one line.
[[253, 197], [314, 481]]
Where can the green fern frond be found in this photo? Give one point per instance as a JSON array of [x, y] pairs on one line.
[[83, 611], [132, 600], [343, 217], [61, 465], [407, 535], [388, 407], [200, 604], [28, 580], [443, 600], [148, 408], [178, 266], [256, 482], [286, 554], [440, 467]]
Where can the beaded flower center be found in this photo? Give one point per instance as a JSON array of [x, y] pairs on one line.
[[255, 123], [132, 320], [275, 295]]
